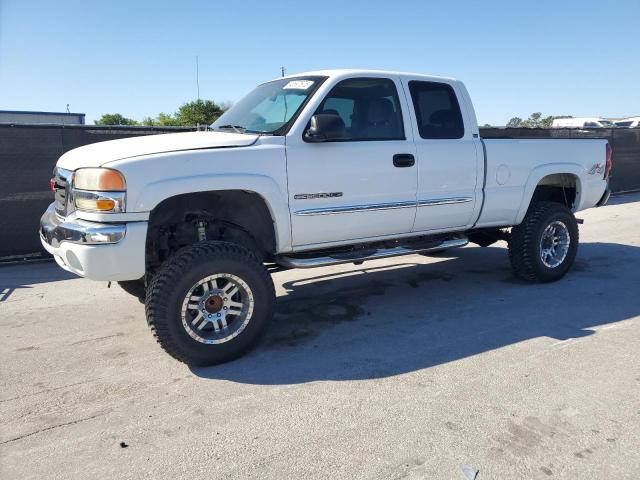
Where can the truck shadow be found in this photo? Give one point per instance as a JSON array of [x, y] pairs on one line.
[[14, 277], [368, 323], [622, 198]]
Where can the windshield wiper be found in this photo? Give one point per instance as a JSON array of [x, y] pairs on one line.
[[241, 129], [235, 128]]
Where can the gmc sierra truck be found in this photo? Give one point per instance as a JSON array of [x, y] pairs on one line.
[[316, 169]]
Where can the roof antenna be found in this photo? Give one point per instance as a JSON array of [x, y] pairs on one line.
[[282, 70], [197, 78]]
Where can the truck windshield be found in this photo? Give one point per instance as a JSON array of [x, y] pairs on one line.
[[270, 108]]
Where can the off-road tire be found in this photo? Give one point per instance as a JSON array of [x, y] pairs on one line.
[[172, 282], [525, 242], [135, 288]]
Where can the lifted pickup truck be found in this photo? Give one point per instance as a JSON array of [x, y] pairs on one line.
[[315, 169]]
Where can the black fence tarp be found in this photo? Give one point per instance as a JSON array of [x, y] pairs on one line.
[[28, 154]]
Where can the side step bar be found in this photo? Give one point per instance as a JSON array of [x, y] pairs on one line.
[[369, 254]]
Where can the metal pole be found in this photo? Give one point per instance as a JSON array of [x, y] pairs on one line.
[[197, 77]]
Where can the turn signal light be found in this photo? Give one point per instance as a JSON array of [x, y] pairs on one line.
[[99, 201], [105, 204]]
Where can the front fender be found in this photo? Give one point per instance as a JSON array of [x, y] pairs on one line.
[[538, 174], [154, 193]]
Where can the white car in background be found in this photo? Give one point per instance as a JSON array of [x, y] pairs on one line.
[[582, 122], [631, 122]]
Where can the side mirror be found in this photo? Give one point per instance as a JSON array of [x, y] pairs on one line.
[[325, 127]]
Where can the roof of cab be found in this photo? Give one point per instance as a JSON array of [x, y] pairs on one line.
[[345, 72]]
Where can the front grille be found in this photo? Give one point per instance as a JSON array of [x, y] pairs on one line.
[[61, 186]]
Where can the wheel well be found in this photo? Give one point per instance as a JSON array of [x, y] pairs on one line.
[[235, 216], [558, 187]]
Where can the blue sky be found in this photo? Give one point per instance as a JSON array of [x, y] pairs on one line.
[[138, 57]]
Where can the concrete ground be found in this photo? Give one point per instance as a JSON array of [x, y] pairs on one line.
[[411, 368]]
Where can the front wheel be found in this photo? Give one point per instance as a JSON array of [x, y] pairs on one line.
[[210, 303], [543, 247]]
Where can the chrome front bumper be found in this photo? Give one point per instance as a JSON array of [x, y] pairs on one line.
[[55, 231], [98, 251]]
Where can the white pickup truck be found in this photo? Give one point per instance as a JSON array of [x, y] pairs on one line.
[[315, 169]]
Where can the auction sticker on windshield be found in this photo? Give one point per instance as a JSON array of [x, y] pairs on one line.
[[299, 84]]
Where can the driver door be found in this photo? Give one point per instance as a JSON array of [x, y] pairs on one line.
[[362, 186]]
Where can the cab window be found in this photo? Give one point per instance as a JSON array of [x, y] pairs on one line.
[[437, 110], [369, 108]]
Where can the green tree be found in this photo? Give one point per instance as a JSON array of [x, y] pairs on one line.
[[515, 122], [535, 120], [115, 119], [203, 112], [166, 120]]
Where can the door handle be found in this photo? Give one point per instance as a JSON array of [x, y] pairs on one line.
[[401, 160]]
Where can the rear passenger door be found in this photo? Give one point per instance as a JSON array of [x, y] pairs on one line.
[[449, 183]]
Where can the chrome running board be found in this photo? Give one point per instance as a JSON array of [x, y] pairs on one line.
[[368, 254]]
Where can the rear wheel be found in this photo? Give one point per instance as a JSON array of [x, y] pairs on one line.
[[210, 303], [543, 247]]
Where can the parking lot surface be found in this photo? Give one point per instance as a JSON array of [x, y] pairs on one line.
[[412, 367]]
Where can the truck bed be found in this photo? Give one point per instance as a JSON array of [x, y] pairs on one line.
[[513, 167]]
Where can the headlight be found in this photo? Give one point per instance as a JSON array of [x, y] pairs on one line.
[[99, 190], [99, 179]]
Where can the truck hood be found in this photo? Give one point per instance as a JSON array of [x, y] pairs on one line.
[[97, 154]]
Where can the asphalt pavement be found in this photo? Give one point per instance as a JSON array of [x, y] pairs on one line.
[[413, 367]]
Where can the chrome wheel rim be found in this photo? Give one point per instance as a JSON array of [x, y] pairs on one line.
[[554, 244], [217, 308]]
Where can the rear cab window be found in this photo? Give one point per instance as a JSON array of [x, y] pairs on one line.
[[437, 110]]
